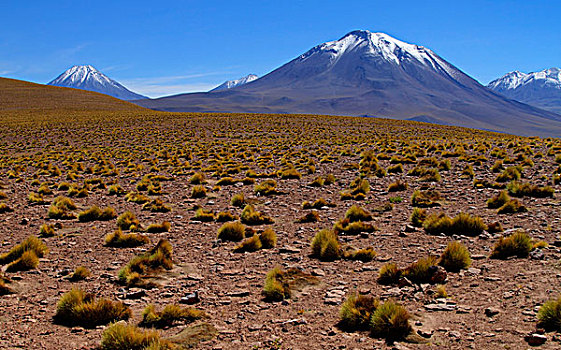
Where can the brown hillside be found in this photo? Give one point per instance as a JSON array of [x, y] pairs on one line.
[[17, 95]]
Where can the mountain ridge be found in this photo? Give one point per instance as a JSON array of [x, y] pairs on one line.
[[541, 89], [366, 73]]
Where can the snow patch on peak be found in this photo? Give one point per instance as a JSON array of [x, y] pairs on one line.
[[229, 84], [363, 43]]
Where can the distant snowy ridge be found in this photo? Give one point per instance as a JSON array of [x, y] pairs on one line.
[[548, 77], [86, 77], [541, 89], [229, 84]]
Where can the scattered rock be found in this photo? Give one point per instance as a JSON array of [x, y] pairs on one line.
[[190, 299], [535, 339], [491, 311]]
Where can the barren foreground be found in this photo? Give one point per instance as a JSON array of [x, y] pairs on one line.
[[491, 304]]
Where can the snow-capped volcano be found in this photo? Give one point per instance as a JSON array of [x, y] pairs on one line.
[[230, 84], [542, 89], [366, 73], [86, 77]]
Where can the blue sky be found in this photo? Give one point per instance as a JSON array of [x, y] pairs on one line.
[[167, 47]]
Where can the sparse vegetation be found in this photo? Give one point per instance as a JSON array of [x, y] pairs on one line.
[[77, 308], [455, 257], [518, 244]]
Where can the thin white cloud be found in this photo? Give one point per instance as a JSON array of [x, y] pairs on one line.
[[172, 85], [154, 90]]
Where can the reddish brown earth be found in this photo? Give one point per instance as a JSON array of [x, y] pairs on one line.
[[230, 284]]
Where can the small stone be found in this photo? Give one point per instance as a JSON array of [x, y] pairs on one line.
[[535, 339], [318, 272], [135, 293], [190, 299], [424, 333], [537, 254], [491, 311]]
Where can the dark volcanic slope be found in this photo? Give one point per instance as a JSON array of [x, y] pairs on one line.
[[373, 74]]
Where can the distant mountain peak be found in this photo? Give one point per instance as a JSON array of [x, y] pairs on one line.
[[230, 84], [516, 79], [363, 43], [87, 77], [369, 73]]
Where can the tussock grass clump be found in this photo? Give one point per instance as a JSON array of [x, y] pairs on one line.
[[347, 227], [27, 261], [47, 230], [157, 206], [238, 200], [198, 191], [390, 321], [80, 273], [461, 224], [421, 271], [549, 315], [318, 204], [498, 200], [356, 213], [325, 246], [36, 198], [159, 228], [510, 174], [252, 217], [397, 186], [356, 311], [290, 174], [455, 257], [364, 254], [204, 215], [120, 336], [226, 181], [520, 189], [158, 258], [266, 188], [116, 190], [518, 244], [231, 231], [268, 238], [418, 217], [276, 288], [426, 199], [511, 207], [119, 239], [466, 224], [31, 243], [312, 216], [437, 223], [77, 308], [127, 221], [251, 244], [62, 208], [280, 283], [394, 169], [389, 274], [170, 315], [95, 213], [197, 179], [135, 197], [225, 216]]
